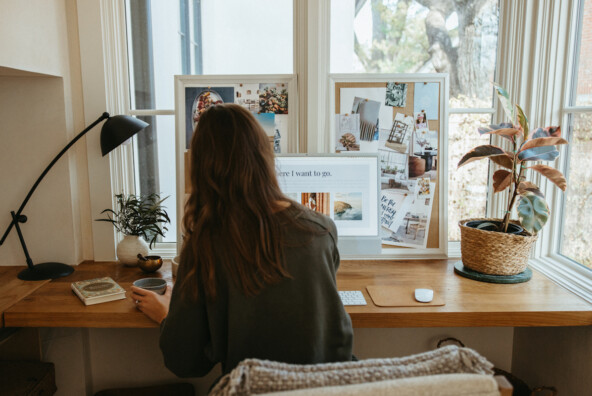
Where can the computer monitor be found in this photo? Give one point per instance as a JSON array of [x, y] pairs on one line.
[[342, 186]]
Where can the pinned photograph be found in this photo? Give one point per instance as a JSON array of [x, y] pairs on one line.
[[415, 228], [319, 202], [347, 132], [412, 229], [273, 98], [400, 133], [369, 112], [393, 169], [267, 121], [197, 100], [396, 94], [421, 120], [423, 187], [426, 98], [347, 206], [425, 154], [247, 96], [393, 205]]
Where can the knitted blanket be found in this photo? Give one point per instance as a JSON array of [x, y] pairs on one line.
[[254, 376]]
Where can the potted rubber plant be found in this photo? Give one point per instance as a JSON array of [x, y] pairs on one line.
[[502, 246], [140, 219]]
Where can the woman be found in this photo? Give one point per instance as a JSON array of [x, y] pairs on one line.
[[257, 272]]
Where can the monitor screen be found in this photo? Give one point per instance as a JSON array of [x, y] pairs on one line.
[[343, 187]]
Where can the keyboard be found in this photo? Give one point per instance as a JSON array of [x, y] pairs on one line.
[[352, 297]]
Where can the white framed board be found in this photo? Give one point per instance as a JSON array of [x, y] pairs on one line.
[[402, 118]]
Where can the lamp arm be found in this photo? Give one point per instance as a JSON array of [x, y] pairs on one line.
[[17, 216]]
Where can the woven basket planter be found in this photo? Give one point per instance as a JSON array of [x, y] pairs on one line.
[[494, 253]]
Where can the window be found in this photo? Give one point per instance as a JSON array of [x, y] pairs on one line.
[[166, 38], [577, 202], [543, 62], [459, 38]]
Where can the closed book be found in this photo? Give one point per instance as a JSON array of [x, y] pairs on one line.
[[98, 290]]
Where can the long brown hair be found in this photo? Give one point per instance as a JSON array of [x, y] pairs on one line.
[[232, 217]]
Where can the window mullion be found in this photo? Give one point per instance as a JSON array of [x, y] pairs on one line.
[[312, 33], [102, 25]]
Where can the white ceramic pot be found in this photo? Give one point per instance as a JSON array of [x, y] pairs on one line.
[[128, 249], [175, 265]]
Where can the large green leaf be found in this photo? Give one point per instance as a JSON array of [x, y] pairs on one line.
[[480, 152], [545, 153], [506, 160], [505, 130], [552, 131], [552, 174], [501, 180], [533, 212], [526, 187], [541, 142], [507, 104], [523, 121]]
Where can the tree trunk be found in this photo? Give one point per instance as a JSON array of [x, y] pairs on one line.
[[472, 78]]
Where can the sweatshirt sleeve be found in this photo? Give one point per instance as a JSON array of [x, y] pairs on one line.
[[184, 335]]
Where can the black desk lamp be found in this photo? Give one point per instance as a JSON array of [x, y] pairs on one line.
[[115, 131]]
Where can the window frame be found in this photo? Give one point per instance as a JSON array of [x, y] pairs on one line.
[[548, 259]]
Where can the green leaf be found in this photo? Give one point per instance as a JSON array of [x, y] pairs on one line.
[[553, 131], [480, 152], [501, 180], [526, 187], [139, 215], [505, 130], [552, 174], [523, 122], [505, 160], [507, 104], [533, 212], [545, 153], [541, 142]]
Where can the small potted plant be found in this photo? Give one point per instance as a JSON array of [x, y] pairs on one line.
[[139, 219], [502, 246]]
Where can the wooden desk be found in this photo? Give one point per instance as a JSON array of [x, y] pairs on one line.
[[13, 290], [469, 303]]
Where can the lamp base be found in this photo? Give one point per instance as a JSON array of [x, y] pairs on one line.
[[45, 271]]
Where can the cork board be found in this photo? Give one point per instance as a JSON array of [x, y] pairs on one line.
[[436, 231]]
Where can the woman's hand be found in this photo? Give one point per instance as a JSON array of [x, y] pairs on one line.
[[153, 305]]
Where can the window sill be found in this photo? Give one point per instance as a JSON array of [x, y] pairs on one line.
[[566, 273], [165, 250]]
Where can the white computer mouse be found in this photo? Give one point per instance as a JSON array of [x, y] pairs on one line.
[[424, 295]]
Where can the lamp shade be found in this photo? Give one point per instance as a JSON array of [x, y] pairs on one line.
[[118, 129]]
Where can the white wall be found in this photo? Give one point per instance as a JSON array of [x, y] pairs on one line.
[[32, 131], [40, 112], [554, 356], [38, 25]]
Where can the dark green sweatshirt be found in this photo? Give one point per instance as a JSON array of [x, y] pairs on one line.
[[299, 320]]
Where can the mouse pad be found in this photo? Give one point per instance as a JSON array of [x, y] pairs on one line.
[[400, 296]]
